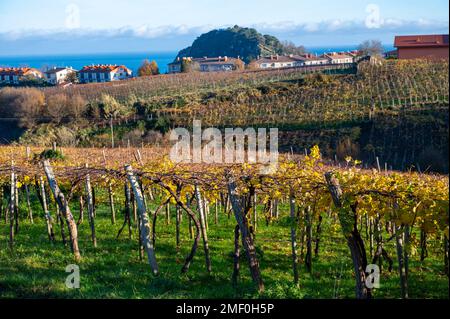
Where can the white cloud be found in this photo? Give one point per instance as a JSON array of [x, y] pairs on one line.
[[354, 26], [151, 32], [176, 37]]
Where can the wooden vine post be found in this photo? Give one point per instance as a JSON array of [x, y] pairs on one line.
[[255, 213], [11, 206], [144, 220], [247, 240], [48, 217], [16, 207], [347, 219], [309, 235], [294, 237], [110, 193], [127, 212], [30, 211], [168, 213], [90, 206], [236, 257], [65, 209], [201, 210], [111, 204], [402, 262]]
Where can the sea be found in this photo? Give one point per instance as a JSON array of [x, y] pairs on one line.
[[131, 60]]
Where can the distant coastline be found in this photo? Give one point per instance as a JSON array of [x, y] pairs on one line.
[[131, 59]]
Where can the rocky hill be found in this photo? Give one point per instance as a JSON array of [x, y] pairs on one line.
[[245, 43]]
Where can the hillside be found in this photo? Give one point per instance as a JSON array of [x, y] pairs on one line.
[[378, 112], [246, 43]]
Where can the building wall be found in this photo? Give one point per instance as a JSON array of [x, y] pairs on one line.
[[175, 68], [276, 65], [341, 61], [416, 53], [216, 67], [316, 62], [15, 79]]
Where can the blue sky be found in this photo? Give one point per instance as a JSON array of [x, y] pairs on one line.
[[59, 26]]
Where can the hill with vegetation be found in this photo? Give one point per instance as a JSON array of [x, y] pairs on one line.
[[397, 111], [245, 43]]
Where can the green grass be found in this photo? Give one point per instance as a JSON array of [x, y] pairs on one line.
[[36, 268]]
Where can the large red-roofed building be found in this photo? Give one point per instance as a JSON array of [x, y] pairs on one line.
[[15, 75], [422, 46], [104, 73]]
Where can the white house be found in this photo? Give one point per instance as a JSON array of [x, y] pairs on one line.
[[311, 60], [277, 62], [15, 75], [338, 58], [57, 76], [104, 73], [290, 61]]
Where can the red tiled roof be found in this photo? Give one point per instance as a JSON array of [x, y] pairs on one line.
[[102, 68], [338, 56], [16, 71], [434, 40], [309, 57]]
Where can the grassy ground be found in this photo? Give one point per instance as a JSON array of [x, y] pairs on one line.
[[36, 268]]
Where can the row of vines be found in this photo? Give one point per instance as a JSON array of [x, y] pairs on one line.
[[282, 97], [389, 87], [388, 206]]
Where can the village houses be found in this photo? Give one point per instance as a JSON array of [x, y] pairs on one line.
[[206, 64], [339, 58], [104, 73], [13, 76], [307, 59], [277, 62], [58, 76]]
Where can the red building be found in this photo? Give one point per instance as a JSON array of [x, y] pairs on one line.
[[422, 46]]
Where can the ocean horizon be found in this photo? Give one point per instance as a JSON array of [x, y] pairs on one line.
[[132, 60]]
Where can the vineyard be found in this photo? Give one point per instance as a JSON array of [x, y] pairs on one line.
[[139, 225], [286, 98], [319, 100]]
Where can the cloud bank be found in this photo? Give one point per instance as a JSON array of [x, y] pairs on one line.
[[175, 37]]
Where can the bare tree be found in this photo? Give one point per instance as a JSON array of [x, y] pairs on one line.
[[371, 48], [56, 107], [24, 104], [289, 47]]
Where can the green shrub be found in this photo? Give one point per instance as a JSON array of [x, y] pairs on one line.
[[51, 154]]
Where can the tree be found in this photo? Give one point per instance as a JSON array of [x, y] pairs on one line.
[[72, 77], [240, 65], [371, 48], [148, 68], [112, 109], [188, 66], [252, 65], [56, 107], [76, 106], [24, 104], [290, 48]]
